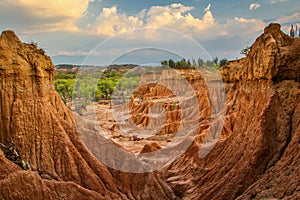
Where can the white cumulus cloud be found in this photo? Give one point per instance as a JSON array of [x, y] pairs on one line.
[[176, 17], [207, 8], [277, 1], [254, 6], [32, 16], [110, 22], [47, 15]]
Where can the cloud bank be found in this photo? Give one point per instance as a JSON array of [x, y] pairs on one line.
[[32, 16], [176, 17], [71, 20]]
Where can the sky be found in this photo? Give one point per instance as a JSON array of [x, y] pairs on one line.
[[102, 32]]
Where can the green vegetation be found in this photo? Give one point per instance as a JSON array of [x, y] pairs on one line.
[[183, 64], [93, 85], [35, 44], [174, 106], [245, 51], [223, 62]]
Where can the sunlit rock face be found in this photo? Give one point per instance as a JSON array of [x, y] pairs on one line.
[[43, 131], [257, 155]]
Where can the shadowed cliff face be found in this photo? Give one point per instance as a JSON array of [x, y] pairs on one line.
[[257, 154]]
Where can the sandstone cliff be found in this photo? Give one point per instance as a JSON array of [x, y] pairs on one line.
[[43, 131], [256, 157]]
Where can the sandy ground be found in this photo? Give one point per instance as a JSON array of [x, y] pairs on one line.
[[133, 140]]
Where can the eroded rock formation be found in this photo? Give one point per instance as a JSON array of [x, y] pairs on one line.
[[44, 132], [257, 155]]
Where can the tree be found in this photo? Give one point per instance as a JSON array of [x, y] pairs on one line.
[[65, 88], [84, 89], [223, 62], [106, 87], [245, 51], [181, 64], [164, 62], [215, 60], [189, 63], [171, 63], [210, 64], [201, 62], [194, 62]]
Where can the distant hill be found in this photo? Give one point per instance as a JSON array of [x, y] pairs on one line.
[[123, 67]]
